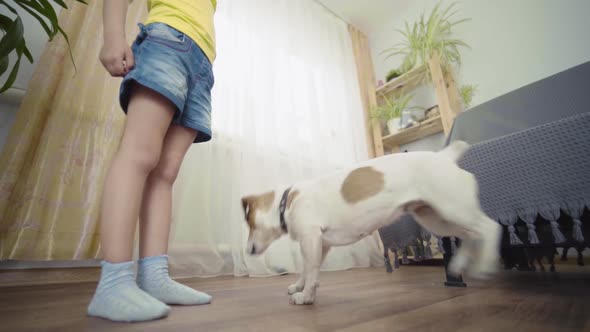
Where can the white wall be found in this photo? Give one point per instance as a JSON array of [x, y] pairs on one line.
[[513, 43], [7, 115]]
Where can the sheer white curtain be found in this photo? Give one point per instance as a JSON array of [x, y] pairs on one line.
[[286, 107]]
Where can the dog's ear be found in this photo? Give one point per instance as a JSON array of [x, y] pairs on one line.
[[248, 203], [246, 206]]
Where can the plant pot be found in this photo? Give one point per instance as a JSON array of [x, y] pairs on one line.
[[393, 125]]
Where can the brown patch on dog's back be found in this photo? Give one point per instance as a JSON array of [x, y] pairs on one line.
[[362, 183], [252, 203]]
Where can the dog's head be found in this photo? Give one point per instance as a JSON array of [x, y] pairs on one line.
[[262, 216]]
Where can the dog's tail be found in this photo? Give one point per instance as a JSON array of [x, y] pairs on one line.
[[455, 150]]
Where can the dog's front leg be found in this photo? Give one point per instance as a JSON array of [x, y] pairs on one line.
[[312, 252], [298, 285]]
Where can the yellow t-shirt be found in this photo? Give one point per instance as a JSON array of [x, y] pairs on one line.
[[194, 18]]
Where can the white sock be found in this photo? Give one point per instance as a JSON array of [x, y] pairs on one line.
[[118, 297], [154, 279]]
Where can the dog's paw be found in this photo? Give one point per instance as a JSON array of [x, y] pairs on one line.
[[487, 266], [301, 298], [458, 265], [294, 288]]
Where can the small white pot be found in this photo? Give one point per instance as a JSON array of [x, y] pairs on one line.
[[393, 125]]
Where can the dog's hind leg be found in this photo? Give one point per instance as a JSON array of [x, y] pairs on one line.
[[480, 235], [433, 222], [490, 233], [485, 235]]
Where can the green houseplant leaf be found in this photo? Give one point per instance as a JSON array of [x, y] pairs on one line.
[[467, 91], [393, 108], [429, 34], [13, 36], [13, 41], [13, 73]]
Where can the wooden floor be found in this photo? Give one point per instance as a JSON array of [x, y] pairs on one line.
[[410, 299]]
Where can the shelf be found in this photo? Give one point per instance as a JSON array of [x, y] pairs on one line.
[[411, 79], [448, 100], [426, 128]]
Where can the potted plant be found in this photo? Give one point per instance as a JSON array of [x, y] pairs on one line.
[[13, 39], [421, 39], [394, 73], [409, 46], [391, 111], [429, 34], [467, 91]]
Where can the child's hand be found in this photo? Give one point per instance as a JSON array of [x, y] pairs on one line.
[[116, 56]]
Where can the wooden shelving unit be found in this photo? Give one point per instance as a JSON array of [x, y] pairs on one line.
[[447, 95], [424, 129], [409, 80]]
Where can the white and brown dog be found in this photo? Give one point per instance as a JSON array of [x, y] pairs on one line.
[[344, 207]]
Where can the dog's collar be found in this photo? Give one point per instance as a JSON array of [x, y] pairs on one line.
[[282, 208]]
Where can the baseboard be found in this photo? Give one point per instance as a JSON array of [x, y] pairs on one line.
[[23, 265], [31, 277]]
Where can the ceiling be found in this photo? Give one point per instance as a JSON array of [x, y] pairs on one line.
[[368, 18]]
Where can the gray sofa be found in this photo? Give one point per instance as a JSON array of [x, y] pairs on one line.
[[538, 130]]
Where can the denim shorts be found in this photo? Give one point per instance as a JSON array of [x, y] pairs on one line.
[[172, 64]]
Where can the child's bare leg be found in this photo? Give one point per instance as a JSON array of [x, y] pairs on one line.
[[155, 220], [149, 117], [118, 297], [156, 209]]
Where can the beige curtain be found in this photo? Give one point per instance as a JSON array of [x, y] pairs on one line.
[[58, 151]]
